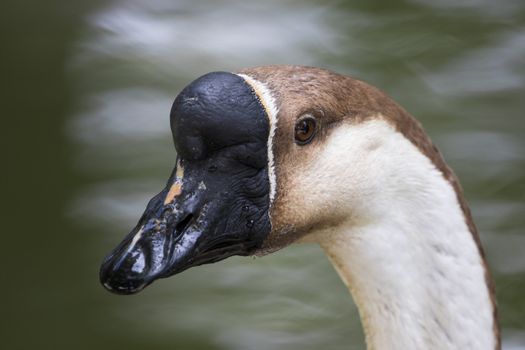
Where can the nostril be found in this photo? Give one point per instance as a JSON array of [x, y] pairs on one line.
[[183, 225]]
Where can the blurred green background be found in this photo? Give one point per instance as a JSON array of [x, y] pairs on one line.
[[86, 92]]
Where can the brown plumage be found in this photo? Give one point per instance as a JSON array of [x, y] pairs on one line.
[[333, 99]]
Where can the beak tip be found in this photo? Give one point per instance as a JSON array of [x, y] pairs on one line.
[[123, 290], [117, 286], [118, 282]]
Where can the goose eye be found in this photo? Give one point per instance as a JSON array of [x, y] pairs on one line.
[[305, 130]]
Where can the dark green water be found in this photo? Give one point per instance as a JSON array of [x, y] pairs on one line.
[[86, 92]]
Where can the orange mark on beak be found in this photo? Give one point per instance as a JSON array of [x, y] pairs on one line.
[[174, 191]]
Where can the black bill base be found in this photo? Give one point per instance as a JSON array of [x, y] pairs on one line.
[[216, 201]]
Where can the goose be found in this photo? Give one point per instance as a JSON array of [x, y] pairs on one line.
[[275, 155]]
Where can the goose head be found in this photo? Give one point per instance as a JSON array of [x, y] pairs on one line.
[[262, 161], [267, 157], [250, 176]]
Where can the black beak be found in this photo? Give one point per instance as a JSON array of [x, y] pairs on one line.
[[164, 242], [187, 224], [216, 202]]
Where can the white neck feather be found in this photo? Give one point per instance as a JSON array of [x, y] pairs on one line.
[[405, 253]]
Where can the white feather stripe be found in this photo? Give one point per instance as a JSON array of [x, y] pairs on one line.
[[268, 101]]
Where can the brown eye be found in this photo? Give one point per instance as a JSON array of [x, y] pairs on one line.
[[305, 129]]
